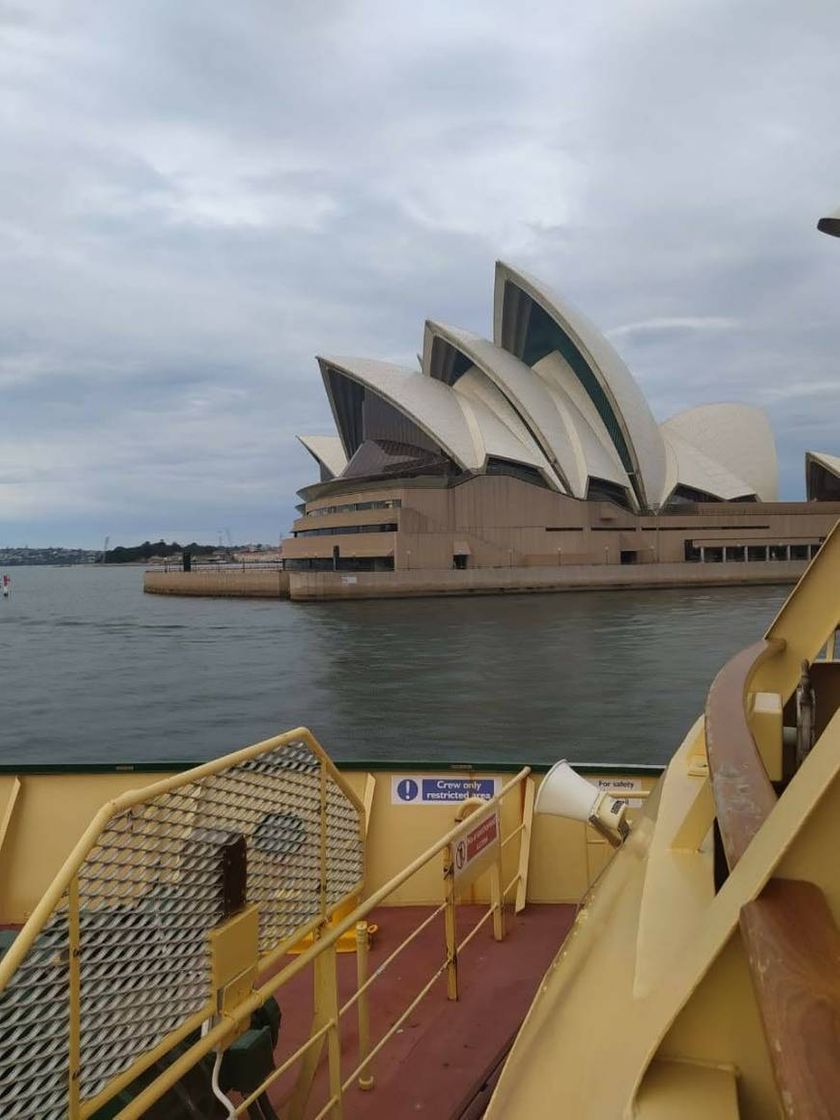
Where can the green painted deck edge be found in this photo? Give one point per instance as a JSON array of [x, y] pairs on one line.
[[174, 767]]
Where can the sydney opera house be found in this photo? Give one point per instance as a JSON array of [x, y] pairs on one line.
[[538, 449]]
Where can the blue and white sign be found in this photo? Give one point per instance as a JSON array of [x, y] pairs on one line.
[[440, 789], [407, 789]]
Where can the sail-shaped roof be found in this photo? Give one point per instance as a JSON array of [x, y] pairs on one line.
[[736, 437], [470, 425], [595, 453], [692, 469], [327, 452], [531, 322], [549, 395], [822, 476], [426, 403], [547, 422]]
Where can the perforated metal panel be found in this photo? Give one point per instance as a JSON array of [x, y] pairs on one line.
[[342, 823], [149, 893], [34, 1030]]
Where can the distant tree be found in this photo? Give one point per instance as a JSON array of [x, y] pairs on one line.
[[145, 551]]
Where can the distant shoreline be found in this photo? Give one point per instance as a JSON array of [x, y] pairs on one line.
[[69, 564]]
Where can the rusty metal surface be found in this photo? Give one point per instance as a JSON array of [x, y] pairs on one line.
[[793, 949], [743, 794]]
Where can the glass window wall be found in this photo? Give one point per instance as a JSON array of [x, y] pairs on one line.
[[346, 530]]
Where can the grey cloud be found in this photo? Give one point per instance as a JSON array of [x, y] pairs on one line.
[[652, 330], [198, 197]]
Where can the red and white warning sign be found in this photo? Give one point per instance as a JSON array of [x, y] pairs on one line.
[[477, 848]]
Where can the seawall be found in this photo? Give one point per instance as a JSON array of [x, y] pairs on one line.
[[325, 586], [234, 583], [320, 586]]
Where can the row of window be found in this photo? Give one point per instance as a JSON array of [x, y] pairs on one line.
[[341, 564], [740, 553], [354, 507], [345, 530]]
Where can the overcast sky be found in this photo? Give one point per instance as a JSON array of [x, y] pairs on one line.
[[198, 196]]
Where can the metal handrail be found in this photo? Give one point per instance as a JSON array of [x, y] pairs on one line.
[[281, 1069], [65, 887], [221, 566], [742, 790], [415, 933], [452, 951], [395, 1026], [326, 943], [447, 963], [131, 799], [62, 896]]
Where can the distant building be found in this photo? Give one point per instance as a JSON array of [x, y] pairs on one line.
[[539, 449]]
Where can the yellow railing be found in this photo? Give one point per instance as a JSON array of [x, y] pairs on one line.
[[116, 965], [807, 621], [322, 955]]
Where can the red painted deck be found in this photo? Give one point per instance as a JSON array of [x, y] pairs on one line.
[[437, 1063]]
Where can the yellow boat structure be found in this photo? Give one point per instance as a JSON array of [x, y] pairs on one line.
[[269, 934]]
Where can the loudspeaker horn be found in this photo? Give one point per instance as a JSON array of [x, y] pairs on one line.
[[564, 793]]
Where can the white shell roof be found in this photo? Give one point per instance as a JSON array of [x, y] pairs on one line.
[[831, 463], [327, 450], [595, 454], [736, 437], [640, 430], [548, 425], [470, 425], [431, 405], [498, 432], [690, 467], [547, 418]]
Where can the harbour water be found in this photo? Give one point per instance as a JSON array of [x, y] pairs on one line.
[[93, 670]]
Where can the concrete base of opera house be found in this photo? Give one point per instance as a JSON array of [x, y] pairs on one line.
[[233, 583], [327, 586]]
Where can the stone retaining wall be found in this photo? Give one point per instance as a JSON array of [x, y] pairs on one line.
[[313, 586], [226, 583], [321, 586]]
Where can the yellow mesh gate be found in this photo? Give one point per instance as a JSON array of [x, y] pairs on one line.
[[114, 965]]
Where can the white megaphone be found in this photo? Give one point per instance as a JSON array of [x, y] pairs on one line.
[[564, 793]]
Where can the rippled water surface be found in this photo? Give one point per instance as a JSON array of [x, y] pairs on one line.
[[92, 670]]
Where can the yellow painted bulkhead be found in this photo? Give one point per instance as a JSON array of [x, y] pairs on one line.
[[52, 810]]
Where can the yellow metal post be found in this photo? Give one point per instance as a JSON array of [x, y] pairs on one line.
[[6, 818], [496, 897], [330, 994], [326, 1015], [525, 845], [449, 924], [74, 1055], [365, 1078], [367, 800]]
